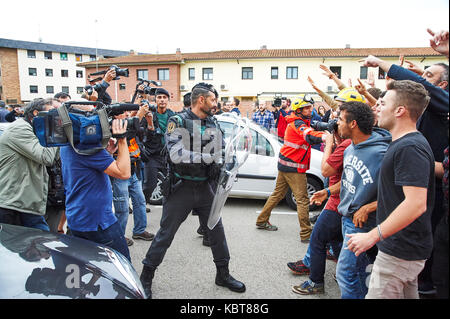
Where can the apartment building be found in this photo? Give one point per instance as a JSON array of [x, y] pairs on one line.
[[35, 69]]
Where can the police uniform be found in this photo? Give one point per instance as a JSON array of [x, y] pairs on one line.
[[195, 186]]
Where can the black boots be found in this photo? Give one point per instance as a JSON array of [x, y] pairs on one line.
[[224, 279], [146, 280]]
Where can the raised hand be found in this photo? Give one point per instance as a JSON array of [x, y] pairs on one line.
[[413, 67], [439, 42]]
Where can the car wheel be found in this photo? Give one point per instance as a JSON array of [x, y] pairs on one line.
[[156, 198], [312, 186]]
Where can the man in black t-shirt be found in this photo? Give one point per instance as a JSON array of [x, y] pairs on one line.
[[405, 197]]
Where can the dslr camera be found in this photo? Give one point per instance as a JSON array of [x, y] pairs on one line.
[[119, 72], [330, 126]]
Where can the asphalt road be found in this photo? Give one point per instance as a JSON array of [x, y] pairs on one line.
[[258, 257]]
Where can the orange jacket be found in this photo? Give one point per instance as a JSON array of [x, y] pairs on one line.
[[295, 154]]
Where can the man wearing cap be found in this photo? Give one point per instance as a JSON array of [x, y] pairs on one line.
[[193, 177], [293, 162], [156, 124]]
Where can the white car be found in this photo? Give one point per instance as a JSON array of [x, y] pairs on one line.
[[256, 178]]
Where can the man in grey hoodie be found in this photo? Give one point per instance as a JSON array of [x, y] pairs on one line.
[[358, 194], [23, 176]]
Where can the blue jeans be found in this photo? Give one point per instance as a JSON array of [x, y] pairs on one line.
[[122, 191], [111, 237], [351, 271], [14, 217], [327, 229]]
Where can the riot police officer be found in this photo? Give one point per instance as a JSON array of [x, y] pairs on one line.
[[193, 175]]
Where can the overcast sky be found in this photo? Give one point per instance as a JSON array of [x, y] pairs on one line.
[[212, 25]]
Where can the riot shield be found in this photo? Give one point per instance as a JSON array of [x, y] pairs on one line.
[[237, 149]]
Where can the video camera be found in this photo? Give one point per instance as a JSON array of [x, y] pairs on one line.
[[87, 131], [119, 72], [330, 126], [276, 102]]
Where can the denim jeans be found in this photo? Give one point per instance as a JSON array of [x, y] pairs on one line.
[[352, 271], [13, 217], [122, 191], [326, 230], [111, 237]]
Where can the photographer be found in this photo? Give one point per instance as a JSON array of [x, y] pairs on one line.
[[23, 175], [124, 189], [155, 127], [100, 87], [88, 189]]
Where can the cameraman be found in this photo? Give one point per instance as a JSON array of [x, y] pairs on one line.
[[153, 140], [23, 177], [124, 189], [88, 190]]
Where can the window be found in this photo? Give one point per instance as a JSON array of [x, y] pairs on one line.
[[122, 86], [247, 73], [92, 57], [381, 74], [292, 72], [78, 57], [64, 73], [274, 73], [65, 89], [63, 56], [191, 74], [48, 72], [207, 73], [363, 72], [79, 73], [260, 145], [48, 55], [33, 89], [31, 54], [32, 71], [336, 70], [143, 74], [80, 90], [163, 74], [49, 89]]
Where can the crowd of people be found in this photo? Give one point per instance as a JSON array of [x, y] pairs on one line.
[[385, 158]]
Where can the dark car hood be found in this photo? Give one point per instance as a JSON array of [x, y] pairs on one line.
[[39, 264]]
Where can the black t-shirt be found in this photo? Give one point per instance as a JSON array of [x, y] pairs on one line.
[[409, 161]]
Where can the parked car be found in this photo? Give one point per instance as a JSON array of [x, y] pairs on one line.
[[38, 264], [257, 176]]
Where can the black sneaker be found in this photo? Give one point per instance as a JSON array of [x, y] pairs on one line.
[[298, 268], [144, 236]]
